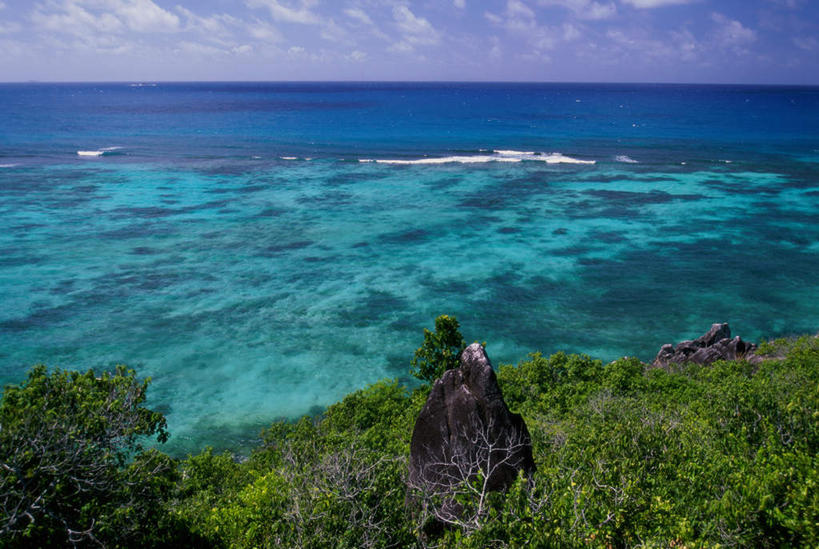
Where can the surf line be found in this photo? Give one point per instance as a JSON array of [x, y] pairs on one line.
[[496, 156], [98, 152]]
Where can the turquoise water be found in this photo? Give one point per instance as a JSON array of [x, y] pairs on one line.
[[249, 253]]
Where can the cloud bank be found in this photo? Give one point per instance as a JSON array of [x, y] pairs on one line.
[[582, 40]]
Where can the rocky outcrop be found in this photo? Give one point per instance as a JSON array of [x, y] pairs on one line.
[[715, 345], [465, 427]]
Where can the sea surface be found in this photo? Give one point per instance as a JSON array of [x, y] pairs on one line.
[[262, 249]]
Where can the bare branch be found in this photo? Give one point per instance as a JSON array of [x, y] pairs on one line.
[[454, 485]]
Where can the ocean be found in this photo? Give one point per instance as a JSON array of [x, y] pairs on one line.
[[262, 249]]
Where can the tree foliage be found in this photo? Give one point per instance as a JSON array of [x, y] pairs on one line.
[[67, 476], [333, 481], [440, 350]]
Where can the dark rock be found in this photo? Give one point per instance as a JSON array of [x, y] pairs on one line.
[[715, 345], [465, 426]]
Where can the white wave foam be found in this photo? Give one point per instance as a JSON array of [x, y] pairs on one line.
[[476, 159], [8, 165], [98, 152], [497, 156], [289, 157], [515, 153], [625, 158], [557, 158]]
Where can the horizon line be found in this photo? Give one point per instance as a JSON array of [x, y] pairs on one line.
[[351, 81]]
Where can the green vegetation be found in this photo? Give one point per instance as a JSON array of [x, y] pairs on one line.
[[717, 456], [72, 469], [440, 351]]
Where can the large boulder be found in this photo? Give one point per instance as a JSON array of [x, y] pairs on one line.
[[714, 345], [465, 427]]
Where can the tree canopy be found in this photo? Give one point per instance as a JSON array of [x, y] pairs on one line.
[[71, 457], [440, 350]]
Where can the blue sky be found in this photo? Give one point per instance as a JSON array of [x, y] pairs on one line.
[[751, 41]]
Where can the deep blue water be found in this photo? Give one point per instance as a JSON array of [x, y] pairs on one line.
[[261, 250]]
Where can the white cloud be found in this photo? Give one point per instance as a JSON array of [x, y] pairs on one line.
[[620, 37], [493, 18], [517, 17], [359, 15], [731, 32], [145, 16], [570, 32], [279, 12], [2, 5], [517, 9], [401, 47], [264, 31], [460, 4], [647, 4], [301, 54], [637, 47], [687, 44], [596, 10], [807, 43], [71, 18], [357, 56], [333, 32], [520, 20], [416, 31], [364, 18], [409, 23], [109, 16], [585, 9], [199, 49], [215, 24]]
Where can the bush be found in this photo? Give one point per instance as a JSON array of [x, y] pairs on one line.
[[440, 351], [704, 456], [72, 468]]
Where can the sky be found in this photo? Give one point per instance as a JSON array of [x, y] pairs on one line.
[[698, 41]]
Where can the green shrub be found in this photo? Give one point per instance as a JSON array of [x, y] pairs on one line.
[[440, 350], [72, 469], [702, 456]]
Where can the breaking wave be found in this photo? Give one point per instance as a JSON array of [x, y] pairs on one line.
[[495, 156], [98, 152]]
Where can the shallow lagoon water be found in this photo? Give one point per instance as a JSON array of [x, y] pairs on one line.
[[252, 287]]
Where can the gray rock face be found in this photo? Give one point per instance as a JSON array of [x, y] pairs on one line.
[[715, 345], [465, 427]]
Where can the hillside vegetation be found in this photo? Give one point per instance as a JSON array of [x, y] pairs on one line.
[[720, 456]]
